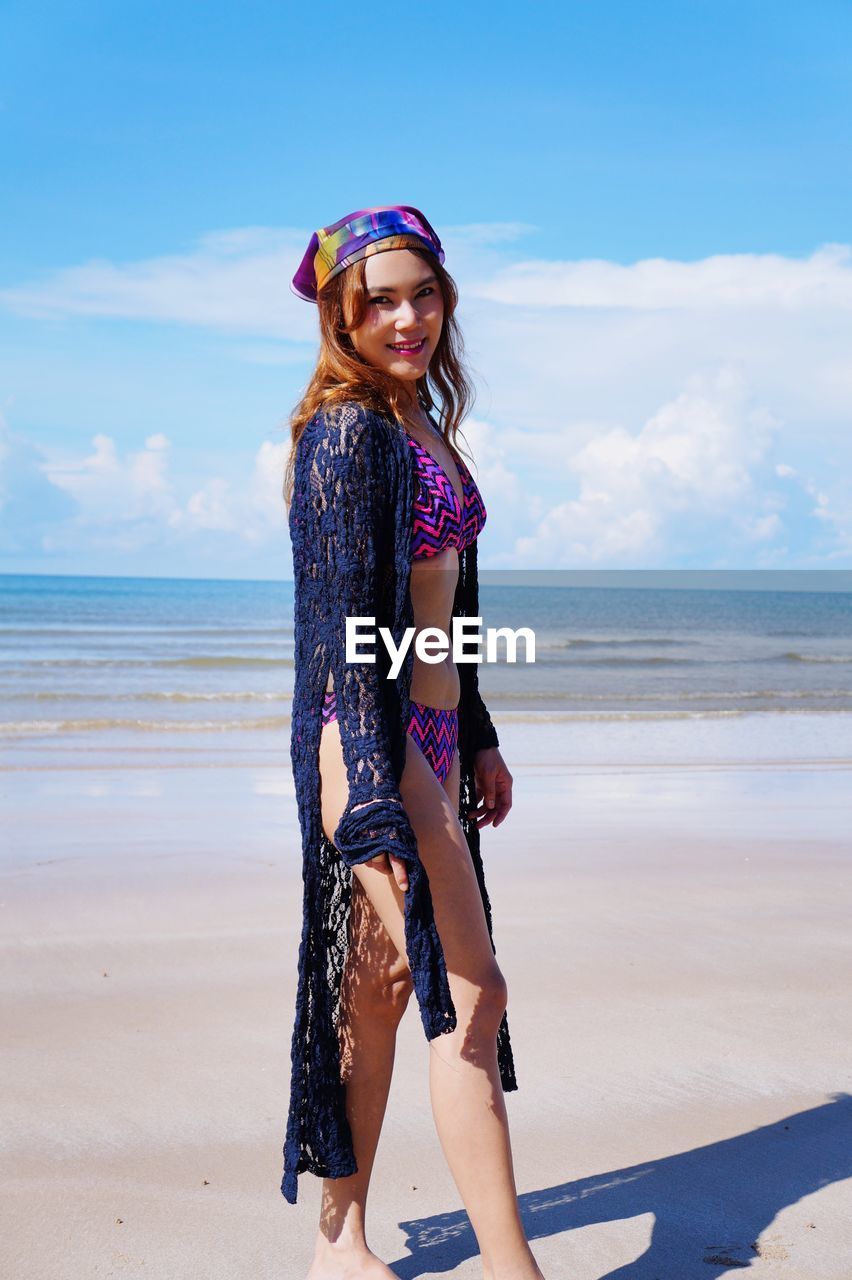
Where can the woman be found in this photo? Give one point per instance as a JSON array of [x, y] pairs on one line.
[[394, 776]]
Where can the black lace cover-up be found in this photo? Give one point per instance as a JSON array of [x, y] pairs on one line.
[[350, 526]]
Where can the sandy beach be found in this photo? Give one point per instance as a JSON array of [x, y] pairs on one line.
[[677, 949]]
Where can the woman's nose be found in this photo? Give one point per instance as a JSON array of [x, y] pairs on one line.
[[407, 315]]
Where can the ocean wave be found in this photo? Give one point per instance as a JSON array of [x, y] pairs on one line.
[[503, 696], [20, 728], [79, 695], [105, 724], [544, 641], [207, 661], [651, 661], [652, 717], [570, 695], [107, 629], [841, 658]]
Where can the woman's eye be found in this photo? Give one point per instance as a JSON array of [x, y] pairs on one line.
[[422, 294]]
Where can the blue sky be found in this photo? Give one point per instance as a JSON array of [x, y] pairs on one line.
[[647, 209]]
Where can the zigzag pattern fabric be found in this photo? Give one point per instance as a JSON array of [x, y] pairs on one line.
[[436, 732], [439, 521], [329, 706]]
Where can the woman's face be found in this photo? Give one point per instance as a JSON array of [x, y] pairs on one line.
[[405, 308]]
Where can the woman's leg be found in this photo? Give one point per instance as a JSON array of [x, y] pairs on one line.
[[467, 1096], [375, 990]]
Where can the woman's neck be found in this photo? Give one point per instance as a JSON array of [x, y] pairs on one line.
[[413, 412]]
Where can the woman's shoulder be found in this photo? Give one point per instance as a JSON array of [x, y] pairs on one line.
[[347, 414], [346, 427]]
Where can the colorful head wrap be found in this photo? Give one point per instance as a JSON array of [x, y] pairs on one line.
[[332, 249]]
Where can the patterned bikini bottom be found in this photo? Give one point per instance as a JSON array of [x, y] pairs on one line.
[[435, 730]]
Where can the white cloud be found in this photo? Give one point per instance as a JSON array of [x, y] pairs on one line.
[[640, 412], [237, 282], [111, 491], [733, 280], [697, 457], [264, 491], [253, 510], [30, 506], [132, 501], [209, 508], [762, 528]]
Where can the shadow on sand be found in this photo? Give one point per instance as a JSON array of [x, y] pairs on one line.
[[710, 1205]]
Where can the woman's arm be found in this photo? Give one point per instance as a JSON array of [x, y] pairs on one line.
[[349, 544], [352, 545], [493, 781], [474, 721]]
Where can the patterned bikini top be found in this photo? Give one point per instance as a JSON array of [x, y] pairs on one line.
[[439, 521]]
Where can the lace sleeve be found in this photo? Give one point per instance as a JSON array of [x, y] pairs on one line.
[[349, 493], [354, 548], [474, 721]]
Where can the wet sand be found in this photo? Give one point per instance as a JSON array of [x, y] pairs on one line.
[[677, 947]]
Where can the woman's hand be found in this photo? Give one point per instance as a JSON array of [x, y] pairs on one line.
[[493, 788], [390, 864]]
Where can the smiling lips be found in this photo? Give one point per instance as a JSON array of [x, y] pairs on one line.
[[407, 348]]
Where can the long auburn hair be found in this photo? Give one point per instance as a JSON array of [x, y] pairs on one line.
[[342, 375]]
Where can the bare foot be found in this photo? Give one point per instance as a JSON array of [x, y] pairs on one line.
[[335, 1263]]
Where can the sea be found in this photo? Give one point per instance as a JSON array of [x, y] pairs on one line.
[[134, 671]]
